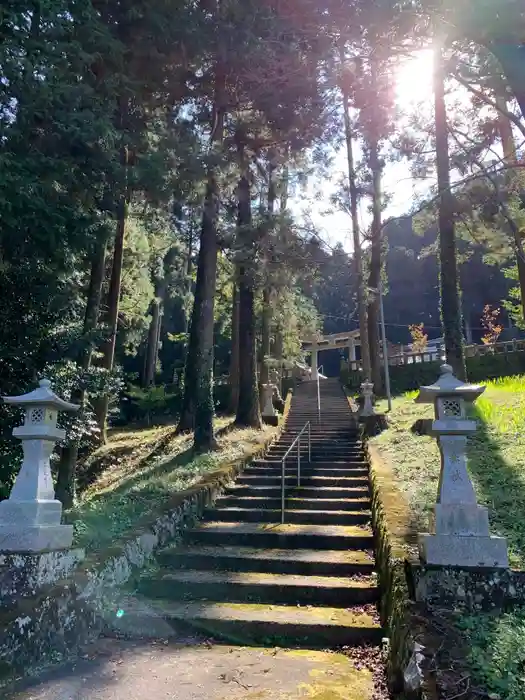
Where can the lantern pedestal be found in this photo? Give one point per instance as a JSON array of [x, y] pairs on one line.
[[463, 551], [30, 517], [35, 538]]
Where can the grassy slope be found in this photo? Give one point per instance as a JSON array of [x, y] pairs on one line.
[[496, 459], [497, 467], [139, 469]]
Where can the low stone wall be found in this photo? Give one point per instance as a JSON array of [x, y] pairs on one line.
[[394, 542], [469, 589], [63, 615]]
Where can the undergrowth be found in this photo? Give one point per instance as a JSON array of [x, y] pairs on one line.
[[496, 652], [143, 469]]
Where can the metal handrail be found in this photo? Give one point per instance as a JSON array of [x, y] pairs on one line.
[[319, 394], [283, 464]]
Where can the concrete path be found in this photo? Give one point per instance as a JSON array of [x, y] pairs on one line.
[[123, 670]]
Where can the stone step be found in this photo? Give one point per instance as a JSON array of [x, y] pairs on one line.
[[302, 562], [334, 424], [325, 454], [277, 536], [261, 625], [250, 587], [276, 462], [322, 438], [359, 479], [302, 517], [340, 429], [275, 469], [319, 446], [300, 491], [344, 504]]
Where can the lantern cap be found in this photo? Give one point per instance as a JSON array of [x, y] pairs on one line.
[[43, 396], [449, 385]]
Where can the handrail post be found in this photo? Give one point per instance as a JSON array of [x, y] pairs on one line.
[[318, 399], [299, 462], [309, 441], [295, 443], [283, 497]]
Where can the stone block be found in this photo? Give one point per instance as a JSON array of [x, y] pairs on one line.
[[465, 520], [23, 574], [38, 538], [458, 550], [473, 588], [23, 513]]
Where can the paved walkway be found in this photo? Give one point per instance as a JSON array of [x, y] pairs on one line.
[[123, 670]]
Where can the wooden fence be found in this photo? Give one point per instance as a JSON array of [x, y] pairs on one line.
[[437, 353]]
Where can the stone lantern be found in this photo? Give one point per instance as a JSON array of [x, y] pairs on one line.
[[367, 389], [460, 528], [268, 412], [30, 517]]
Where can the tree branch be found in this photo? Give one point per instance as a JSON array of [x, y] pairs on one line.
[[482, 96]]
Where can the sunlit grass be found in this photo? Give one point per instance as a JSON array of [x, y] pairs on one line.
[[143, 470], [496, 452], [496, 458]]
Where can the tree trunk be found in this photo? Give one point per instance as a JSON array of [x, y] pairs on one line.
[[189, 268], [358, 261], [510, 156], [267, 311], [374, 279], [197, 407], [153, 344], [66, 477], [234, 356], [512, 59], [449, 282], [108, 349], [204, 437], [264, 373], [248, 409]]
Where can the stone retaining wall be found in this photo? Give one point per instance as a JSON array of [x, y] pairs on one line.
[[394, 542], [469, 589], [54, 622]]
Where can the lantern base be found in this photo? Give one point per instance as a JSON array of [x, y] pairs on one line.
[[464, 519], [37, 538], [30, 513], [464, 550]]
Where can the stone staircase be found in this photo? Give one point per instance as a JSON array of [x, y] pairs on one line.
[[243, 576]]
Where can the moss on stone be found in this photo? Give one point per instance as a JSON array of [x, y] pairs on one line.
[[394, 543]]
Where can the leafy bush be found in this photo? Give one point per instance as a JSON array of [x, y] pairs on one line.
[[147, 405], [496, 652]]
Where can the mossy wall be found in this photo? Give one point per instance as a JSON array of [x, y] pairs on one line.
[[390, 522], [60, 618]]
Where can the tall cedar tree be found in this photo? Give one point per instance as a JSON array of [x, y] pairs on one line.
[[248, 409], [449, 281]]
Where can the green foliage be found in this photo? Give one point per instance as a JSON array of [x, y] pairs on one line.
[[496, 653], [150, 404]]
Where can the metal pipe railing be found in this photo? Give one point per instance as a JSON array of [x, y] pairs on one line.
[[319, 394], [297, 442]]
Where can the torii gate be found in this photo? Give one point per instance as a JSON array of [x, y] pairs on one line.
[[350, 339]]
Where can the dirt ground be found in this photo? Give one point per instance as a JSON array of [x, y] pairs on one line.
[[138, 670]]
